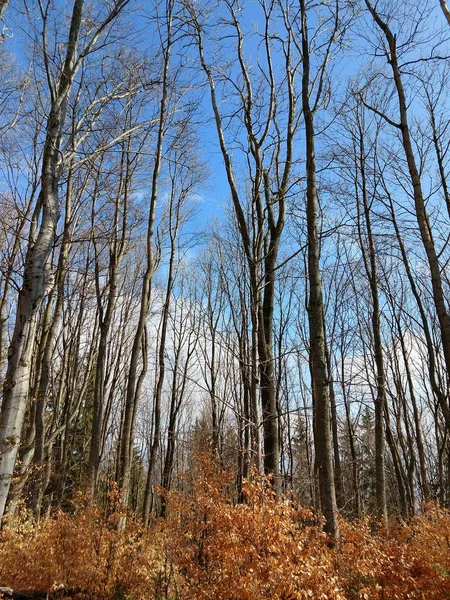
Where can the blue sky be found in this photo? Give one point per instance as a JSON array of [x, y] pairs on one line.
[[214, 195]]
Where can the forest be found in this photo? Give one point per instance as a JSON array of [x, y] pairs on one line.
[[224, 299]]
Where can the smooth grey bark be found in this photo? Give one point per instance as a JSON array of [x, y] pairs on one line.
[[419, 201], [35, 274], [444, 7], [7, 275], [319, 373], [46, 347]]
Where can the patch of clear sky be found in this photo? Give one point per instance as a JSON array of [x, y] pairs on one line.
[[213, 197]]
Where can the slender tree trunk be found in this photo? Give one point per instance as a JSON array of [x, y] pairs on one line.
[[178, 390], [420, 208], [46, 357], [431, 363], [445, 10], [261, 234], [7, 280], [334, 429], [398, 468], [322, 429], [267, 374], [3, 7], [370, 265], [134, 381], [160, 377], [416, 415], [357, 508], [35, 274], [439, 153], [117, 249]]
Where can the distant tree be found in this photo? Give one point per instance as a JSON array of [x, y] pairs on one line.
[[265, 104]]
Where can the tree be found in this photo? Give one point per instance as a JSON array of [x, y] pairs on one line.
[[267, 153], [312, 90], [390, 50], [36, 274]]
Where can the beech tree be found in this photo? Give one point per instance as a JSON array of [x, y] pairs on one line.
[[36, 272], [135, 378], [297, 324], [268, 156], [423, 221], [311, 101]]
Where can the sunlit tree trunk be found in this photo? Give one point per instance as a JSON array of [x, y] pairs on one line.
[[319, 374], [3, 7], [35, 274], [37, 280], [134, 379], [444, 7]]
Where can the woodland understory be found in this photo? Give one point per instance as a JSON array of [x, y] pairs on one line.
[[210, 547], [224, 299]]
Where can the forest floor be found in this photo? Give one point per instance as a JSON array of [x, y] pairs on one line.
[[210, 548]]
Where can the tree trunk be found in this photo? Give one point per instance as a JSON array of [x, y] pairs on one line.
[[35, 274], [419, 202], [445, 10], [322, 429], [370, 266], [134, 381], [334, 429]]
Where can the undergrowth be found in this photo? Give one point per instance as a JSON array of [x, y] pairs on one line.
[[209, 548]]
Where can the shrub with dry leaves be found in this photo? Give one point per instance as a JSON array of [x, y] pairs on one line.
[[210, 548]]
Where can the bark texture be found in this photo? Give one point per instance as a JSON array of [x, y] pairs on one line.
[[319, 371], [36, 269]]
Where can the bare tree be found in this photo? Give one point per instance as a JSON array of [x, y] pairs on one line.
[[135, 379], [36, 274], [268, 158], [313, 89], [390, 50], [365, 195], [184, 176]]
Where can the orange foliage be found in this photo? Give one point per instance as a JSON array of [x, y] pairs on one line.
[[82, 552], [209, 548], [263, 548], [409, 561]]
